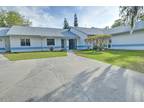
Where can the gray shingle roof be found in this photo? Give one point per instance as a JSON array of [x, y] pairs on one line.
[[123, 29], [54, 32], [117, 30], [39, 31], [89, 31], [3, 31]]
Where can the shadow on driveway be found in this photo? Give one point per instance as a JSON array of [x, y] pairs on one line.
[[109, 86]]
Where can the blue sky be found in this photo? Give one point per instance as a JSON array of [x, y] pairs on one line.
[[97, 16]]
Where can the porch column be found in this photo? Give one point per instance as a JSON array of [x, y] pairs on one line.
[[67, 44]]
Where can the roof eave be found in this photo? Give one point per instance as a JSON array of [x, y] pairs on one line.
[[125, 32]]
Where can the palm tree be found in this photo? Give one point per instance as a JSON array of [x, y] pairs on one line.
[[130, 14]]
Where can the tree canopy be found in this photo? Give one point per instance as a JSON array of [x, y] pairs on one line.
[[98, 40], [141, 17], [98, 36], [130, 14], [10, 18], [75, 21], [66, 25], [117, 23]]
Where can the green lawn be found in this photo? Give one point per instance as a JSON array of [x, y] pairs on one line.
[[34, 55], [127, 59]]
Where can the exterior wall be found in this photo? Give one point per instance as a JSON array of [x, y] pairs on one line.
[[36, 44], [7, 44], [15, 44], [128, 41], [121, 41], [57, 45], [67, 44], [81, 44], [2, 44]]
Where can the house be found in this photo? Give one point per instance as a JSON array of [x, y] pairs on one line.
[[25, 39], [122, 39]]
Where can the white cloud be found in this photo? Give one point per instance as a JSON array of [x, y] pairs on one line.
[[99, 16], [87, 16], [37, 16]]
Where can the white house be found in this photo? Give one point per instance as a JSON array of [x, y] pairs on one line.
[[24, 39]]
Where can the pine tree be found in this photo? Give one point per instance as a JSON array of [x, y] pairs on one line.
[[75, 21], [66, 25]]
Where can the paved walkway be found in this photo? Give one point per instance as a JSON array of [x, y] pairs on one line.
[[3, 60], [70, 78]]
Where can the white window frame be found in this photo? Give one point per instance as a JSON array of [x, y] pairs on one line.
[[50, 44], [25, 42]]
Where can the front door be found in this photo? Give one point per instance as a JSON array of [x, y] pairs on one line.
[[72, 44]]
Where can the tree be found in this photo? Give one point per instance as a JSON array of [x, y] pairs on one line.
[[99, 41], [66, 25], [10, 18], [75, 21], [2, 18], [130, 14], [141, 17], [117, 23]]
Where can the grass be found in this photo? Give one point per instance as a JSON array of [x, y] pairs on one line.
[[127, 59], [34, 55]]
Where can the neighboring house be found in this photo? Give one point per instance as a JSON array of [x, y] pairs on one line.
[[24, 39]]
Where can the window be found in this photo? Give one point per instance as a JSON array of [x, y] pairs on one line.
[[50, 42], [25, 42], [22, 42]]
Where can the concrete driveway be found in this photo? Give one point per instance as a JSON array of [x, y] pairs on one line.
[[70, 78]]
